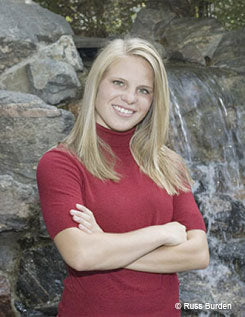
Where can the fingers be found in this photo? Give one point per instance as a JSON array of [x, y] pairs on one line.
[[79, 214], [81, 218], [85, 217], [84, 209], [84, 228]]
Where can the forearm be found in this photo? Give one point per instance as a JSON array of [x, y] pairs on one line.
[[190, 255], [112, 250], [105, 251]]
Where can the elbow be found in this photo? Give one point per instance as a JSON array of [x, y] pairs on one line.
[[79, 262], [77, 266], [86, 261]]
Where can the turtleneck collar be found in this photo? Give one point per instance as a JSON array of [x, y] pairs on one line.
[[114, 138]]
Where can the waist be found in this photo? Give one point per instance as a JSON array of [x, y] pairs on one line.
[[120, 292]]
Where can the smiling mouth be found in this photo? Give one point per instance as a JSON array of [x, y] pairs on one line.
[[123, 110]]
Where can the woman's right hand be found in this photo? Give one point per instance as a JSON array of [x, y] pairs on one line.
[[174, 233], [85, 219]]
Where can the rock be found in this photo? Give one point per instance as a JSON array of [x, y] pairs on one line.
[[190, 39], [18, 78], [148, 21], [230, 53], [233, 254], [216, 284], [23, 22], [228, 222], [16, 201], [64, 50], [42, 42], [23, 26], [191, 288], [5, 298], [9, 252], [41, 273], [29, 127], [198, 99], [14, 51], [53, 81]]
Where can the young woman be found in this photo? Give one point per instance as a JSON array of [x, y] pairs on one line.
[[116, 200]]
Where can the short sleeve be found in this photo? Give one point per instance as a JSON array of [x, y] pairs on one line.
[[187, 212], [60, 189]]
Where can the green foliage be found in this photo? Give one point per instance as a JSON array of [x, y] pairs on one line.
[[95, 17], [231, 13], [114, 17]]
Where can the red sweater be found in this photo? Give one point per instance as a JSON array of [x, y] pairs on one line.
[[135, 202]]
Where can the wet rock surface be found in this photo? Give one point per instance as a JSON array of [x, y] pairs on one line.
[[5, 298], [39, 282]]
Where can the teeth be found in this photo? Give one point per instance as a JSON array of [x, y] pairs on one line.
[[122, 110]]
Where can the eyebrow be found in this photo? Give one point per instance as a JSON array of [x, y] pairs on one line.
[[141, 85]]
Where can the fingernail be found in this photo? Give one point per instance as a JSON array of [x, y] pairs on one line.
[[72, 212]]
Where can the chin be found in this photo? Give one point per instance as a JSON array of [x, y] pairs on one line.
[[121, 128]]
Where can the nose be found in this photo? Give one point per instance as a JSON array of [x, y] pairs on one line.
[[129, 96]]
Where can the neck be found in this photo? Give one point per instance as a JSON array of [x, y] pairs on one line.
[[115, 139]]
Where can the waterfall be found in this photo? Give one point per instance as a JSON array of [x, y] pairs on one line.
[[203, 118], [205, 130]]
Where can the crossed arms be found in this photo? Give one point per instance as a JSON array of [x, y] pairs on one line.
[[164, 248]]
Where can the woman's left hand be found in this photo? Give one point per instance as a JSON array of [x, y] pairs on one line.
[[85, 218]]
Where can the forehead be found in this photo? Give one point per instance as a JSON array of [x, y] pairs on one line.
[[131, 67]]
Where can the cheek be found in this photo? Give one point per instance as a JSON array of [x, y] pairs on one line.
[[146, 103], [105, 93]]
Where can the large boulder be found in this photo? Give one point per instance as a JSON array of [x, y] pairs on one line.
[[230, 52], [29, 127], [33, 39], [39, 284], [23, 26], [17, 200], [192, 40], [50, 73], [149, 20], [5, 297], [53, 81], [183, 38], [201, 41]]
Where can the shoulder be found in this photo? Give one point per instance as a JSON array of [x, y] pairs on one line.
[[58, 155], [58, 159]]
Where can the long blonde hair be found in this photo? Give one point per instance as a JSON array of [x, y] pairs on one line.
[[148, 144]]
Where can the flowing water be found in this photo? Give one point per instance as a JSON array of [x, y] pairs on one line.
[[205, 131]]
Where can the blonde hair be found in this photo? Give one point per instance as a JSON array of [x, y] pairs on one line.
[[148, 144]]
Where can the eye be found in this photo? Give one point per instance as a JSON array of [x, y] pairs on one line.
[[118, 83], [144, 91]]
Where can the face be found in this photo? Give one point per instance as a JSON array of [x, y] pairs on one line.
[[125, 94]]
